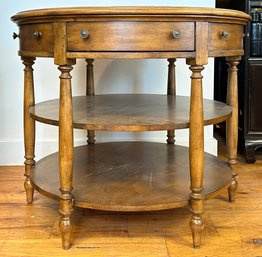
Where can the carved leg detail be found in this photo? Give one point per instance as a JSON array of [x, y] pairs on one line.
[[171, 90], [66, 154], [196, 222], [232, 124], [65, 222], [65, 229], [232, 189], [29, 189], [196, 153], [29, 126], [90, 90]]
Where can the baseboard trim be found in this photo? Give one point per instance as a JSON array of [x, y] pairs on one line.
[[12, 152]]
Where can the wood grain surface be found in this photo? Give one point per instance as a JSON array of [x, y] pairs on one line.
[[203, 13], [131, 112], [138, 36], [130, 176]]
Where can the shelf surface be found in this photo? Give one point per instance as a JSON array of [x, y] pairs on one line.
[[130, 176], [130, 112]]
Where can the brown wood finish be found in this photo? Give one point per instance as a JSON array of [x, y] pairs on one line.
[[66, 155], [201, 44], [60, 48], [131, 112], [43, 43], [29, 126], [139, 36], [171, 77], [131, 55], [196, 133], [128, 32], [196, 154], [90, 87], [232, 123], [171, 90], [159, 16], [191, 13], [218, 42], [90, 90], [131, 176]]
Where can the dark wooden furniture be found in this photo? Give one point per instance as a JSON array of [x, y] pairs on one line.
[[130, 176], [249, 85]]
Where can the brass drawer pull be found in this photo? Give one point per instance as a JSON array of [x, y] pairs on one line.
[[176, 33], [84, 33], [37, 34], [225, 34]]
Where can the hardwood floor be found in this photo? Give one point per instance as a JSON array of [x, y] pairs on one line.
[[230, 229]]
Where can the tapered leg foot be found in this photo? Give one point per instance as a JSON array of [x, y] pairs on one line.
[[232, 124], [66, 154], [65, 229], [196, 226], [232, 190], [29, 189], [196, 154], [29, 126]]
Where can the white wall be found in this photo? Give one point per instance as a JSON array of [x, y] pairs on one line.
[[111, 76]]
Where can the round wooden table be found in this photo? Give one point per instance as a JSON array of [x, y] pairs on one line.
[[130, 176]]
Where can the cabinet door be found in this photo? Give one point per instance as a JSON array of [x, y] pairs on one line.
[[255, 96]]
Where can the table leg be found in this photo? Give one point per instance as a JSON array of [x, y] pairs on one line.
[[232, 124], [171, 90], [66, 154], [29, 126], [196, 154], [90, 90]]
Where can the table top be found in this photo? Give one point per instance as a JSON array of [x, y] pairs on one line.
[[131, 10], [131, 32]]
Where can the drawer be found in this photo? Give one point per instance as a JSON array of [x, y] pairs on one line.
[[131, 36], [37, 37], [225, 37]]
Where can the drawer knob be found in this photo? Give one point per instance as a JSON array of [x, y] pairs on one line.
[[225, 34], [84, 33], [37, 34], [15, 35], [176, 33]]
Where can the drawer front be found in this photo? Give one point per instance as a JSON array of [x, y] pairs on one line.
[[225, 37], [131, 36], [37, 38]]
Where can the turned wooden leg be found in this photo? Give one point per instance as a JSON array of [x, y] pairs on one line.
[[196, 154], [171, 90], [29, 126], [66, 154], [90, 90], [232, 124]]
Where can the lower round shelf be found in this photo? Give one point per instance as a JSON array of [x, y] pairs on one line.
[[130, 176]]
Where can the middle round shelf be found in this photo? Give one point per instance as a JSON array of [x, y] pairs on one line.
[[130, 112]]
